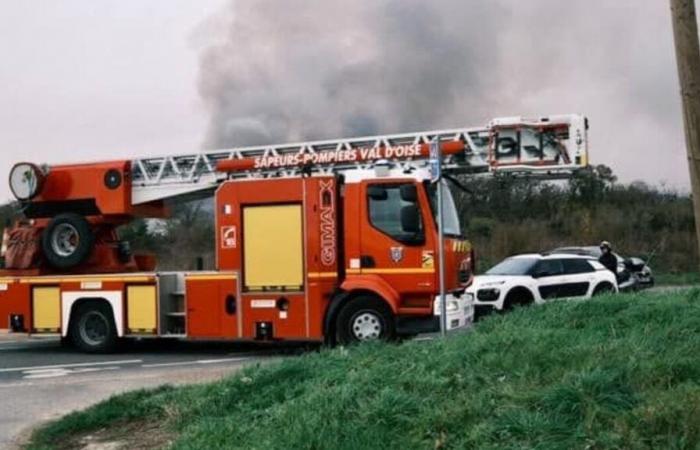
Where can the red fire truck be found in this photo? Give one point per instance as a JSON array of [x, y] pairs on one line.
[[332, 241]]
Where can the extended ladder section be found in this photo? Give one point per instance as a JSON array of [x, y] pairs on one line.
[[548, 147]]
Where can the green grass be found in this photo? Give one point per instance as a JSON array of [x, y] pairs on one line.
[[677, 279], [614, 372]]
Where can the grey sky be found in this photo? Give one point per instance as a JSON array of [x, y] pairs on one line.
[[87, 80]]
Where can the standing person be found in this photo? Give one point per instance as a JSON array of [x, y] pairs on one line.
[[607, 258]]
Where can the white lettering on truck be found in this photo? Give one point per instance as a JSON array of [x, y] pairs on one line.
[[327, 220]]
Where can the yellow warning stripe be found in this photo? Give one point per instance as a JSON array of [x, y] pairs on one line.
[[323, 275], [228, 276], [54, 280], [110, 278], [411, 270]]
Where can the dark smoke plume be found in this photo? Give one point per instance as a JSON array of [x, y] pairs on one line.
[[279, 71]]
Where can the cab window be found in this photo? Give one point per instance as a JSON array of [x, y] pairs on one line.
[[394, 210]]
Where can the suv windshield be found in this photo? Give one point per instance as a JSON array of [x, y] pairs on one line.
[[449, 210], [513, 266]]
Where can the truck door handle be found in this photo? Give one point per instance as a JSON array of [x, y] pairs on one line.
[[366, 261]]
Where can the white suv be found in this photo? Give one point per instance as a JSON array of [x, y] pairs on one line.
[[535, 278]]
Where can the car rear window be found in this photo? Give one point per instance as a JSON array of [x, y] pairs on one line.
[[573, 266]]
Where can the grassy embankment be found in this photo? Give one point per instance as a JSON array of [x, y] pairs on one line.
[[614, 372]]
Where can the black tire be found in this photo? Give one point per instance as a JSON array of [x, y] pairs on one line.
[[365, 318], [67, 241], [92, 328], [603, 288], [517, 297]]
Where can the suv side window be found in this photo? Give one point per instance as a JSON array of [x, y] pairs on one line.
[[393, 215], [548, 268], [574, 266]]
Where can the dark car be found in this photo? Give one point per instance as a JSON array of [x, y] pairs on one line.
[[632, 273]]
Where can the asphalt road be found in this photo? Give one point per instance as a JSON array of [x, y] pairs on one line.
[[40, 380]]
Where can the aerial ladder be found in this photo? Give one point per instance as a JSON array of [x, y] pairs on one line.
[[72, 212], [109, 194]]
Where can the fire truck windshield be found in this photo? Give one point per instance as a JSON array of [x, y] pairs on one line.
[[449, 210]]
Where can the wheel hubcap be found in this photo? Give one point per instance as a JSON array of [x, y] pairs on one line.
[[93, 328], [366, 326], [65, 239]]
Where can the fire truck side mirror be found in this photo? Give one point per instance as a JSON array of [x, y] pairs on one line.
[[409, 193], [377, 193]]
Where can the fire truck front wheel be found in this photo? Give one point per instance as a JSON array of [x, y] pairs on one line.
[[67, 241], [365, 319], [92, 328]]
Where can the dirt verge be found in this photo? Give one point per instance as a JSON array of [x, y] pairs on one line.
[[136, 435]]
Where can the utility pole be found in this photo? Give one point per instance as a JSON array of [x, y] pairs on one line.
[[685, 35]]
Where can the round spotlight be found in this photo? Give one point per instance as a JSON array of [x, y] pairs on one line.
[[113, 179], [26, 181]]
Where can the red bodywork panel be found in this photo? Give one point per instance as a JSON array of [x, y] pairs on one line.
[[207, 315], [87, 183], [303, 319]]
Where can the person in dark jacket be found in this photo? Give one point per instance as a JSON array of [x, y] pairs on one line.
[[607, 258]]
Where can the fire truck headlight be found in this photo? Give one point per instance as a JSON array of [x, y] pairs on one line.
[[452, 306]]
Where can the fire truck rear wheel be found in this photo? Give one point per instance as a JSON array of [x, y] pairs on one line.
[[92, 328], [365, 319], [67, 241]]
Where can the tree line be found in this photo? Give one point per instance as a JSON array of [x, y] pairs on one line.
[[501, 215], [504, 215]]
